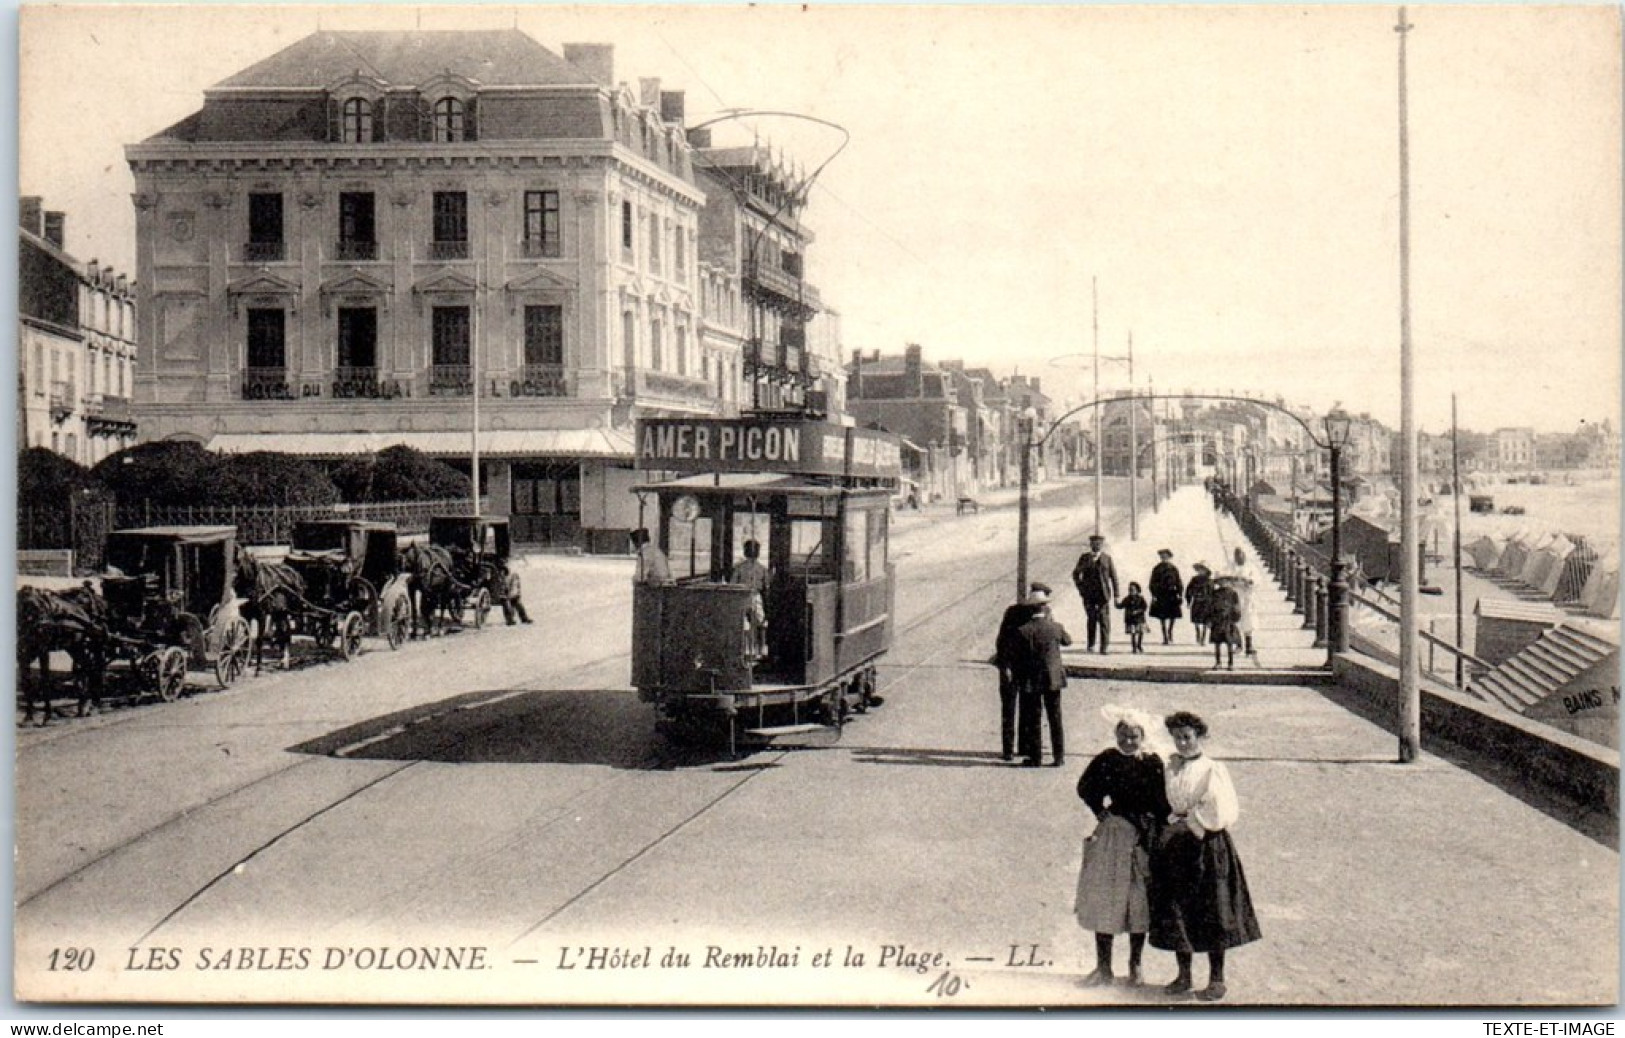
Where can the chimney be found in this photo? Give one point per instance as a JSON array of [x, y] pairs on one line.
[[93, 271], [31, 212], [649, 92], [912, 370], [597, 60], [671, 106], [56, 229], [699, 138]]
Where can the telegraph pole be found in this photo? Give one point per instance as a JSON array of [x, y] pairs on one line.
[[1133, 451], [1410, 678], [1094, 292], [1455, 485]]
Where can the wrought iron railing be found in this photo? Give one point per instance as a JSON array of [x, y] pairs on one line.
[[536, 380], [448, 250], [267, 384], [264, 251], [350, 251], [541, 248], [451, 380]]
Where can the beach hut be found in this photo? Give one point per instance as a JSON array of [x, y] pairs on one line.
[[1576, 572], [1513, 556], [1601, 593], [1485, 551], [1545, 564], [1505, 627], [1366, 541]]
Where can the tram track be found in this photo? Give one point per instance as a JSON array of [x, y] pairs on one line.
[[662, 756]]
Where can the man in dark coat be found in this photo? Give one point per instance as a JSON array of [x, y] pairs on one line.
[[1007, 657], [1042, 675], [1096, 580]]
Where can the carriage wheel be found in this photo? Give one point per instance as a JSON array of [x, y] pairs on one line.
[[482, 606], [234, 649], [350, 633], [398, 624], [363, 597], [171, 676]]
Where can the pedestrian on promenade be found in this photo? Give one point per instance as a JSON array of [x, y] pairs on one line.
[[1199, 596], [1007, 650], [1125, 788], [1042, 676], [1096, 580], [1167, 593], [1198, 891], [1133, 607], [1224, 620], [1248, 581]]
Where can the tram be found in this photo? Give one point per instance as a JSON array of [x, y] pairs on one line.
[[725, 649]]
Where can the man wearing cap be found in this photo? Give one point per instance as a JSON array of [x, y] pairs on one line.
[[1007, 657], [1042, 676], [1096, 580]]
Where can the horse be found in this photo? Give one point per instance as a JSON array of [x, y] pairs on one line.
[[272, 593], [73, 621], [431, 586]]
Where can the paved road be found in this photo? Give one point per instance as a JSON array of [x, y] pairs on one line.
[[502, 797]]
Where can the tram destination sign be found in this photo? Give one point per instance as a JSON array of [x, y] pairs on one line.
[[754, 445]]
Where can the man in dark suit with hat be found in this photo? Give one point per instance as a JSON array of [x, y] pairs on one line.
[[1096, 580], [1042, 676], [1007, 657]]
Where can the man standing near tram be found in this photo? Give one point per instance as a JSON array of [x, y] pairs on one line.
[[1096, 580]]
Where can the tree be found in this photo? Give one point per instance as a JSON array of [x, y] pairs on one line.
[[46, 479], [269, 478], [400, 473], [162, 473]]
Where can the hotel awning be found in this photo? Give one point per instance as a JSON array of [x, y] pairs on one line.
[[609, 444]]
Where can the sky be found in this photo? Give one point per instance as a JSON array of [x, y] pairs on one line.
[[1021, 186]]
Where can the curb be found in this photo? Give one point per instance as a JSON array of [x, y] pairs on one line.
[[1203, 675]]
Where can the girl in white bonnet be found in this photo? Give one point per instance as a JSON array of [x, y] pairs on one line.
[[1124, 787]]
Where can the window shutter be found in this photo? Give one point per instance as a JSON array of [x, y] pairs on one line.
[[333, 134], [471, 120]]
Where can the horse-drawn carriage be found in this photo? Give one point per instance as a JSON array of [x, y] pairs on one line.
[[352, 565], [165, 606], [479, 547]]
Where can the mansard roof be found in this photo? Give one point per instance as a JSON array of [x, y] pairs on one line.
[[489, 57]]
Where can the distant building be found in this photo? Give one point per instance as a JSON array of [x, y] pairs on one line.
[[1514, 448], [76, 345], [918, 401]]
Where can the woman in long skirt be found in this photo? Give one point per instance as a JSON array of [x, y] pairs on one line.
[[1124, 788], [1167, 593], [1198, 892]]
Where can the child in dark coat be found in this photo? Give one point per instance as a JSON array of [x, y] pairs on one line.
[[1134, 607]]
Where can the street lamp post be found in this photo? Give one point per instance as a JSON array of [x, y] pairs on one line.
[[1026, 426], [1337, 628]]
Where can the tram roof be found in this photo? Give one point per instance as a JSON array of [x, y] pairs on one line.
[[736, 483]]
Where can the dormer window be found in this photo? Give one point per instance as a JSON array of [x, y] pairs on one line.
[[448, 121], [356, 121]]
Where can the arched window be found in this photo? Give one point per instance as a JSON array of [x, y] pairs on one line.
[[357, 121], [448, 120]]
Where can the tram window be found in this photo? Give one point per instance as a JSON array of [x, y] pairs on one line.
[[806, 545], [877, 540], [690, 545], [750, 526], [855, 567]]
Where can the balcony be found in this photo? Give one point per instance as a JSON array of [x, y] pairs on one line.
[[264, 252], [541, 248], [539, 380], [664, 384], [112, 414], [448, 250], [64, 400], [355, 382], [451, 380], [782, 283], [353, 251]]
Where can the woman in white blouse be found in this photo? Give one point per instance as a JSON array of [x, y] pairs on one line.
[[1198, 892]]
